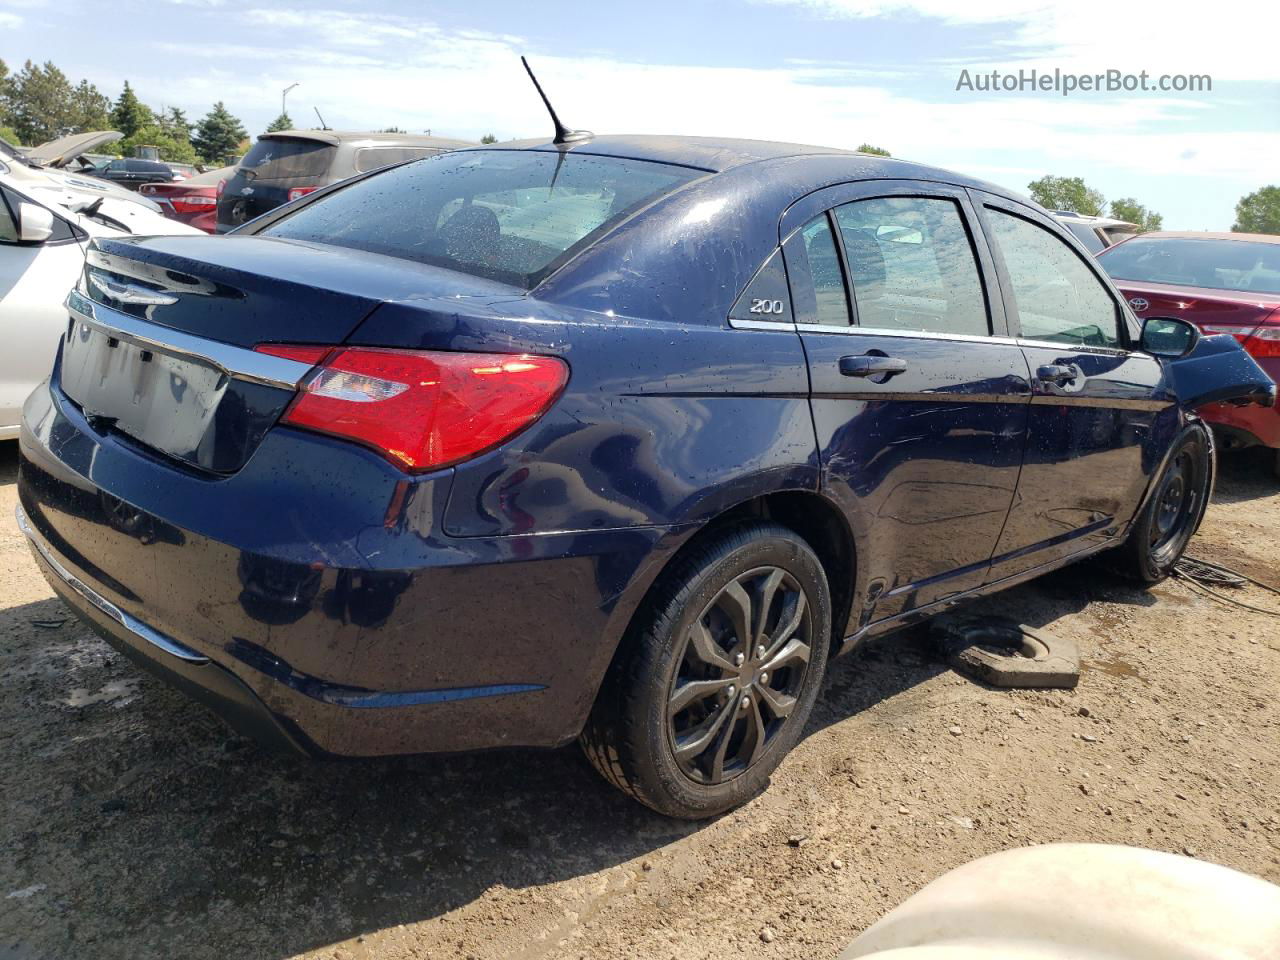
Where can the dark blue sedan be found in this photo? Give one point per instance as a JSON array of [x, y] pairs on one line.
[[616, 440]]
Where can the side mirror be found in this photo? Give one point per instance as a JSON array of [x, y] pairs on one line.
[[35, 223], [1169, 337]]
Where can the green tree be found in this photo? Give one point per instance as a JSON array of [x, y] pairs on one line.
[[488, 138], [130, 114], [9, 135], [1127, 208], [281, 122], [1067, 193], [218, 135], [90, 108], [154, 135], [39, 100], [174, 122], [1258, 212], [874, 151], [392, 130], [4, 93]]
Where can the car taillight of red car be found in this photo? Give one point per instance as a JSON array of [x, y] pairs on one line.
[[296, 192]]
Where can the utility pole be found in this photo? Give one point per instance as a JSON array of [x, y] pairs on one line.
[[283, 94]]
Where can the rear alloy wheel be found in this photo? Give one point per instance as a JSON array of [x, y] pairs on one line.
[[713, 688], [1172, 512]]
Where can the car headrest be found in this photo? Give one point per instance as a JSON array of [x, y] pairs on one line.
[[866, 262], [472, 234]]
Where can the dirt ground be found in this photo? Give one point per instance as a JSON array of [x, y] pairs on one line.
[[135, 825]]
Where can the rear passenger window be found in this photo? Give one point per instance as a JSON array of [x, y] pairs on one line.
[[374, 158], [1059, 299], [824, 269], [912, 266]]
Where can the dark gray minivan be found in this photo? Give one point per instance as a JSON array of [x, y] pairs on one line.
[[292, 163]]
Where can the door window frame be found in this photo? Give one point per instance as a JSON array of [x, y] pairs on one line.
[[1126, 326], [824, 202]]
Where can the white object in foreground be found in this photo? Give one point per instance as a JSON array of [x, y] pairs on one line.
[[1083, 902]]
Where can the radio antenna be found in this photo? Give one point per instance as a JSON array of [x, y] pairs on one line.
[[323, 125], [563, 133]]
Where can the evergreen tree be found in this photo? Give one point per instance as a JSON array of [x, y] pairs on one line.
[[281, 122], [218, 135], [488, 138], [874, 151], [130, 115], [38, 100]]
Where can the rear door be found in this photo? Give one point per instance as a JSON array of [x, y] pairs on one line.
[[1093, 438], [919, 397]]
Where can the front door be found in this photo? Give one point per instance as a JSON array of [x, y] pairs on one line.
[[1095, 431], [919, 398]]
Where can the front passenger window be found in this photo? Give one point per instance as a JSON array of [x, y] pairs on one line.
[[8, 226], [1058, 298]]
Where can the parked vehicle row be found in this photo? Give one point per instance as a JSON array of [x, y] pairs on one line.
[[610, 438]]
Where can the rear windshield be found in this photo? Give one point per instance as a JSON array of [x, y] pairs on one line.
[[1243, 265], [285, 159], [509, 215], [371, 158]]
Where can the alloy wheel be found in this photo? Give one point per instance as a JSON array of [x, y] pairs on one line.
[[739, 675]]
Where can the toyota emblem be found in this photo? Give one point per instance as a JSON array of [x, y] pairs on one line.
[[1138, 304]]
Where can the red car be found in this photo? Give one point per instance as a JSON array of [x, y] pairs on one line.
[[193, 201], [1224, 283]]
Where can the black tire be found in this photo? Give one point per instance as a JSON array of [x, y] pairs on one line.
[[1172, 513], [1275, 462], [644, 737]]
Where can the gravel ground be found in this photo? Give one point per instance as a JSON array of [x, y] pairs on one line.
[[135, 825]]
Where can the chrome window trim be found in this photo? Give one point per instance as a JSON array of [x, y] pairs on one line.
[[784, 325], [910, 334], [135, 626], [237, 362]]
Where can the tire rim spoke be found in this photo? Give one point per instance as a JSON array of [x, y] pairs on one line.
[[757, 732], [725, 737], [795, 651], [780, 704], [785, 630], [704, 647], [700, 738], [691, 691], [767, 594], [736, 603]]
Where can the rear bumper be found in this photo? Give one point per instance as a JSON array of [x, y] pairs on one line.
[[1247, 425], [179, 666], [313, 599]]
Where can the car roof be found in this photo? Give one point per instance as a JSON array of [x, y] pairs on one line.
[[1211, 235], [335, 137], [1067, 216], [713, 154]]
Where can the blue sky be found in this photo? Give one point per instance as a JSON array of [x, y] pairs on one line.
[[837, 72]]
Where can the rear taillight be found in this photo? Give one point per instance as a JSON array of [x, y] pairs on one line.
[[422, 410], [222, 185], [1264, 342], [192, 204], [296, 192]]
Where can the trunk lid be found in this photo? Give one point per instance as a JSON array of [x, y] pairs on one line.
[[1214, 311], [160, 343]]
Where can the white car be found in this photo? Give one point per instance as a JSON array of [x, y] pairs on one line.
[[44, 232], [59, 165]]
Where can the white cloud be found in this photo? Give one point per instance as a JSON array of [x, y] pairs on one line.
[[9, 21], [1229, 39]]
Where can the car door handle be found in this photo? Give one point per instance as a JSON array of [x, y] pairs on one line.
[[1056, 373], [872, 366]]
